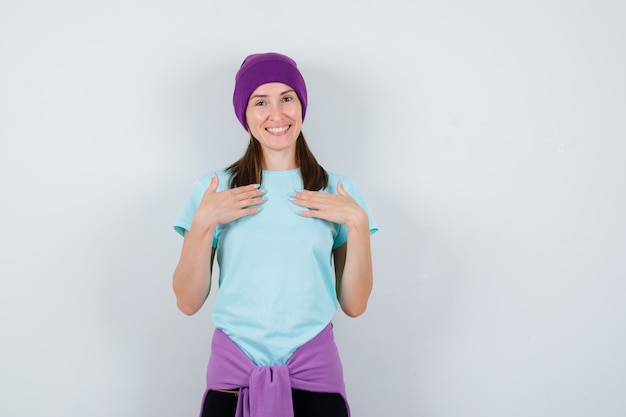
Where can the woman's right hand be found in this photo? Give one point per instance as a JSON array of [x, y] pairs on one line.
[[228, 205]]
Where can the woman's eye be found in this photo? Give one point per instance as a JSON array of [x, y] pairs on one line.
[[287, 99], [259, 103]]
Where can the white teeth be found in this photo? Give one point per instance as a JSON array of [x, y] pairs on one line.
[[277, 129]]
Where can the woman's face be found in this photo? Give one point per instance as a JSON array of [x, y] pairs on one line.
[[274, 117]]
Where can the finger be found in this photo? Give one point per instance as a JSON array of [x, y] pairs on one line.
[[308, 213], [215, 182], [248, 211], [313, 196], [340, 189], [303, 201], [247, 190], [255, 195], [251, 202]]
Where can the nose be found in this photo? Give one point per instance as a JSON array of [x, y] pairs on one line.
[[275, 112]]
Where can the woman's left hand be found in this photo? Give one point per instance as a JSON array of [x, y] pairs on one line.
[[337, 208]]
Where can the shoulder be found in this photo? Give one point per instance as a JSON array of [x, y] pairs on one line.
[[205, 179], [334, 178]]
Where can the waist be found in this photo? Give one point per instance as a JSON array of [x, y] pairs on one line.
[[316, 362]]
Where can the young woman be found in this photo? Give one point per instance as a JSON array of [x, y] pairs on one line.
[[292, 241]]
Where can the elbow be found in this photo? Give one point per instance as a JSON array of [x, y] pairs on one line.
[[354, 303], [187, 308], [354, 311], [189, 302], [186, 303]]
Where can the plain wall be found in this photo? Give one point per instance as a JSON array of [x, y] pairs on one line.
[[487, 136]]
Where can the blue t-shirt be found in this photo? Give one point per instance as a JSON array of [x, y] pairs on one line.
[[277, 281]]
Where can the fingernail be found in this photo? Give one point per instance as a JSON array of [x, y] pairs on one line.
[[291, 195], [299, 212], [257, 185]]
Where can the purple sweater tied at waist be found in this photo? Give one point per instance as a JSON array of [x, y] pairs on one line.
[[265, 391]]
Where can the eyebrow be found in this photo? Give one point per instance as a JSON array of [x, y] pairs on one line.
[[267, 95]]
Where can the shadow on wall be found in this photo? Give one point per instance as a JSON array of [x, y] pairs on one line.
[[337, 123], [387, 352], [217, 139]]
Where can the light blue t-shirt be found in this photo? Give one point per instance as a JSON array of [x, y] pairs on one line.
[[277, 281]]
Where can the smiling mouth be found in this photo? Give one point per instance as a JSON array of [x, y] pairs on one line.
[[277, 130]]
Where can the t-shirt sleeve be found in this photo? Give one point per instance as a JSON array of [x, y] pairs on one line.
[[355, 193], [185, 217], [183, 221]]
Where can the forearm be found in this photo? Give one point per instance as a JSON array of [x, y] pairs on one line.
[[192, 277], [356, 278]]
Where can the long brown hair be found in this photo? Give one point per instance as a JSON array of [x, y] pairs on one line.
[[248, 169]]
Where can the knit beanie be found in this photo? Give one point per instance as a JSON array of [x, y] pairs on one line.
[[258, 69]]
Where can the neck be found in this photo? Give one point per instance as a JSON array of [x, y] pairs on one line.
[[279, 162]]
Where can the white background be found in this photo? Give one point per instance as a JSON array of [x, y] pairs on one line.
[[487, 136]]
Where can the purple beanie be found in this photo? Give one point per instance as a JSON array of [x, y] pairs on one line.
[[258, 69]]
